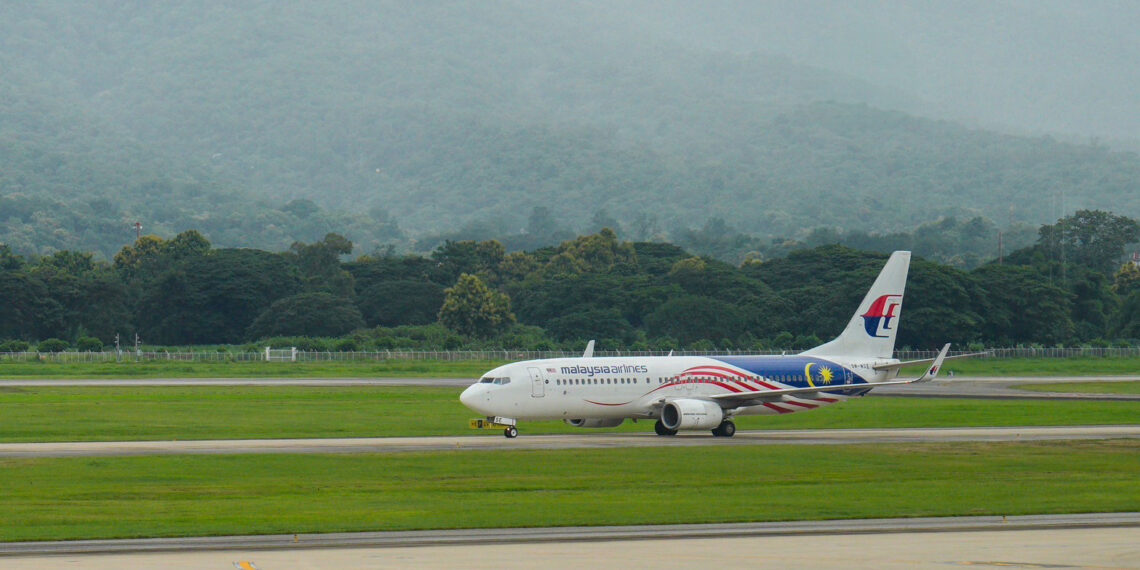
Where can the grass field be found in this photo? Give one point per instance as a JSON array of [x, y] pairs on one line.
[[1085, 387], [78, 498], [1075, 366], [10, 369], [240, 412]]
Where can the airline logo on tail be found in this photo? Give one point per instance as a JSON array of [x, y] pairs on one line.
[[879, 319]]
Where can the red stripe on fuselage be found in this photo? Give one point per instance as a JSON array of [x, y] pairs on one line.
[[735, 373], [716, 375]]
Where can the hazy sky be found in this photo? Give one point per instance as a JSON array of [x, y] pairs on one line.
[[1028, 65]]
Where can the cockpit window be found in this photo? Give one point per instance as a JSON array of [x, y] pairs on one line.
[[494, 380]]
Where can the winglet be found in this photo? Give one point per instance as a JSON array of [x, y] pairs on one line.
[[932, 372], [589, 353]]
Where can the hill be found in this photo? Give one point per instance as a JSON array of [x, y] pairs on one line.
[[261, 124]]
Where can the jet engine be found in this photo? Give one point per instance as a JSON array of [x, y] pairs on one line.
[[688, 413], [596, 423]]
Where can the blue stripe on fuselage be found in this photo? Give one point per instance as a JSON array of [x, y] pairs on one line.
[[789, 370]]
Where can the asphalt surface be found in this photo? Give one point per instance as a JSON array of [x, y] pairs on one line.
[[495, 441], [1000, 388], [1107, 540], [961, 387]]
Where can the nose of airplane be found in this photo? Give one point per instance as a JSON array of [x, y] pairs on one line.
[[470, 396]]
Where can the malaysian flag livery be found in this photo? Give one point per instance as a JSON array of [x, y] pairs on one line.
[[879, 320], [871, 331]]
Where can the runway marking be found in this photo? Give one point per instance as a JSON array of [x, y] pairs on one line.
[[1018, 564], [576, 441], [245, 566]]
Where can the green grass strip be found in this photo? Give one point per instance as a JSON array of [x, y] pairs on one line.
[[88, 498], [242, 412], [14, 370], [1084, 387], [18, 369], [1074, 366]]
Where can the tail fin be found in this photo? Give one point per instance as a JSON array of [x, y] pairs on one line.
[[871, 331]]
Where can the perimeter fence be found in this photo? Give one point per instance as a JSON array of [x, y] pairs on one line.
[[507, 354]]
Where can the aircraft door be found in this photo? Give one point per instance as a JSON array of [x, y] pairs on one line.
[[537, 384]]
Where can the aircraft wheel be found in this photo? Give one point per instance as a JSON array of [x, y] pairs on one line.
[[511, 432], [725, 429], [662, 430]]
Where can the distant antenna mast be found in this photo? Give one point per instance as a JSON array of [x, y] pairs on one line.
[[1000, 256], [138, 231]]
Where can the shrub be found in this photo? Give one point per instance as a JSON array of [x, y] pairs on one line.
[[14, 346], [346, 345], [704, 345], [52, 345], [89, 344]]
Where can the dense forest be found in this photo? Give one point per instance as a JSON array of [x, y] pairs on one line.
[[1070, 287], [262, 124]]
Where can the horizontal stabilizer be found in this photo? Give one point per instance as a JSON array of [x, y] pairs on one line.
[[898, 365]]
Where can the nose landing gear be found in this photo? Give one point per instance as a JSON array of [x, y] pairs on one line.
[[511, 432]]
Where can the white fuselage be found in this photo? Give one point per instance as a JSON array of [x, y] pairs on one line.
[[611, 388]]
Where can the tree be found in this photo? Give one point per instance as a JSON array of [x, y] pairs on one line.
[[404, 302], [941, 304], [473, 257], [1127, 279], [29, 311], [1093, 238], [1126, 323], [307, 314], [214, 298], [593, 323], [320, 266], [70, 262], [1023, 307], [9, 261], [140, 258], [692, 318], [598, 253], [189, 243], [470, 308]]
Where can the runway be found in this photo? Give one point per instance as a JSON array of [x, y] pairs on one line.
[[84, 382], [494, 441], [1003, 388], [961, 387], [1106, 540]]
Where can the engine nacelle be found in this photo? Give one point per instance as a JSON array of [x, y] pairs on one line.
[[607, 423], [691, 414]]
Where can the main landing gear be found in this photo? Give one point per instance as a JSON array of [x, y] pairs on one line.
[[511, 432], [662, 430], [725, 429]]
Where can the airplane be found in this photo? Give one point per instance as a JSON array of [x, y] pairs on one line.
[[705, 392]]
